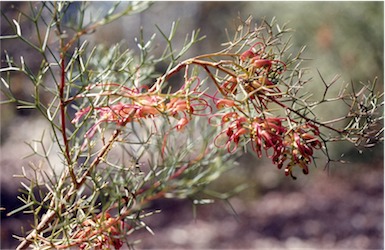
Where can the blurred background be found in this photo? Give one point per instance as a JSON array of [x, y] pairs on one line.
[[341, 207]]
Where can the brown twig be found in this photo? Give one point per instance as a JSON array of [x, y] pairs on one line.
[[63, 119], [104, 151]]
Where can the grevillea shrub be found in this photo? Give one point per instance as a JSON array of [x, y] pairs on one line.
[[126, 137]]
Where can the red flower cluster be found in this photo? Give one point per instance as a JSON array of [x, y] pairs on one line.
[[110, 232], [236, 129], [267, 133], [262, 69], [294, 146], [144, 105], [297, 148]]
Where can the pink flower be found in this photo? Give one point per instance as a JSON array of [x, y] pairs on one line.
[[222, 103], [80, 114], [182, 123]]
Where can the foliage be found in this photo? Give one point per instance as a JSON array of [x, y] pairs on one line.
[[126, 137]]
